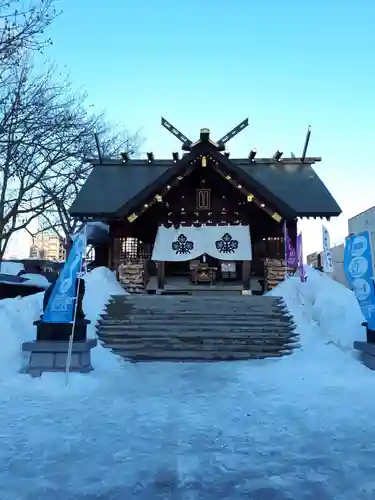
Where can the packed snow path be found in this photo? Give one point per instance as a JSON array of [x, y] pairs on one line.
[[300, 427], [259, 430]]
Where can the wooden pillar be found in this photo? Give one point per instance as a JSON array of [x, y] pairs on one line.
[[110, 253], [146, 273], [116, 250], [161, 275], [68, 247], [101, 255], [246, 275]]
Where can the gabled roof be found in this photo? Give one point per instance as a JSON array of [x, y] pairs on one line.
[[295, 185], [114, 189], [110, 186]]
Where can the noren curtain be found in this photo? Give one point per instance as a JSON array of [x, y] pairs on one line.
[[187, 243]]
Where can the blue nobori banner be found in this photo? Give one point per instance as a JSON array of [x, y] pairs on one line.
[[60, 307], [358, 267]]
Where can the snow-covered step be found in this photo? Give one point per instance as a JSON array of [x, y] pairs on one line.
[[236, 299], [224, 330], [175, 299], [190, 308], [204, 344], [195, 355], [196, 328], [162, 315], [256, 345], [256, 339]]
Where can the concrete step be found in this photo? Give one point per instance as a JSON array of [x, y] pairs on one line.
[[197, 322], [192, 298], [223, 331], [183, 328], [250, 299], [205, 311], [206, 319], [184, 351], [199, 309], [209, 337], [196, 305], [184, 343], [169, 303], [146, 297], [220, 314], [204, 292], [192, 355]]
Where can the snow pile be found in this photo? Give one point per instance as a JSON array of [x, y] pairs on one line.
[[96, 232], [17, 317], [325, 303], [100, 283], [36, 280], [9, 267]]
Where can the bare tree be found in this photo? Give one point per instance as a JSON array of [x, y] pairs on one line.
[[61, 189], [44, 127], [22, 27]]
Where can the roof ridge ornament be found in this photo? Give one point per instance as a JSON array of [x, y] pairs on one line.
[[232, 133], [98, 148], [204, 136], [186, 143], [307, 140]]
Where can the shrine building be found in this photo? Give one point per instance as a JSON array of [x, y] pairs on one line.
[[201, 218]]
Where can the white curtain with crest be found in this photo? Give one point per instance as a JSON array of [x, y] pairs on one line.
[[230, 243]]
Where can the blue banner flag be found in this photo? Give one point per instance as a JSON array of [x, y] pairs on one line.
[[358, 267], [60, 307]]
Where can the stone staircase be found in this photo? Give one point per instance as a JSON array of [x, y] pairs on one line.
[[197, 328]]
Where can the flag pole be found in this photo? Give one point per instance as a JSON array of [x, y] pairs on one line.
[[285, 251], [71, 338]]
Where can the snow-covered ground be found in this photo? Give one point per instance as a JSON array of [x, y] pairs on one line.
[[36, 280], [9, 267], [301, 427]]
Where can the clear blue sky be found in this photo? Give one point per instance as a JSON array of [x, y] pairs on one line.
[[284, 64]]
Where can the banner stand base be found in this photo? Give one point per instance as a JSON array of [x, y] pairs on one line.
[[51, 356], [370, 334], [61, 332], [367, 351]]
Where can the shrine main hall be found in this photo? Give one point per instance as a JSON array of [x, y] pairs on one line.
[[201, 218]]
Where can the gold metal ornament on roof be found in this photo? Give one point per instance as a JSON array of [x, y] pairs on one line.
[[132, 217], [277, 217]]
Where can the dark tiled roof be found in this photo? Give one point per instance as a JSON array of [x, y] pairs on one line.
[[110, 186], [292, 188], [296, 185]]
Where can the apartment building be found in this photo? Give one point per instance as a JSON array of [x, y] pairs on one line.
[[49, 246]]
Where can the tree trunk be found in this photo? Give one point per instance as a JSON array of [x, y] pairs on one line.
[[68, 246]]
